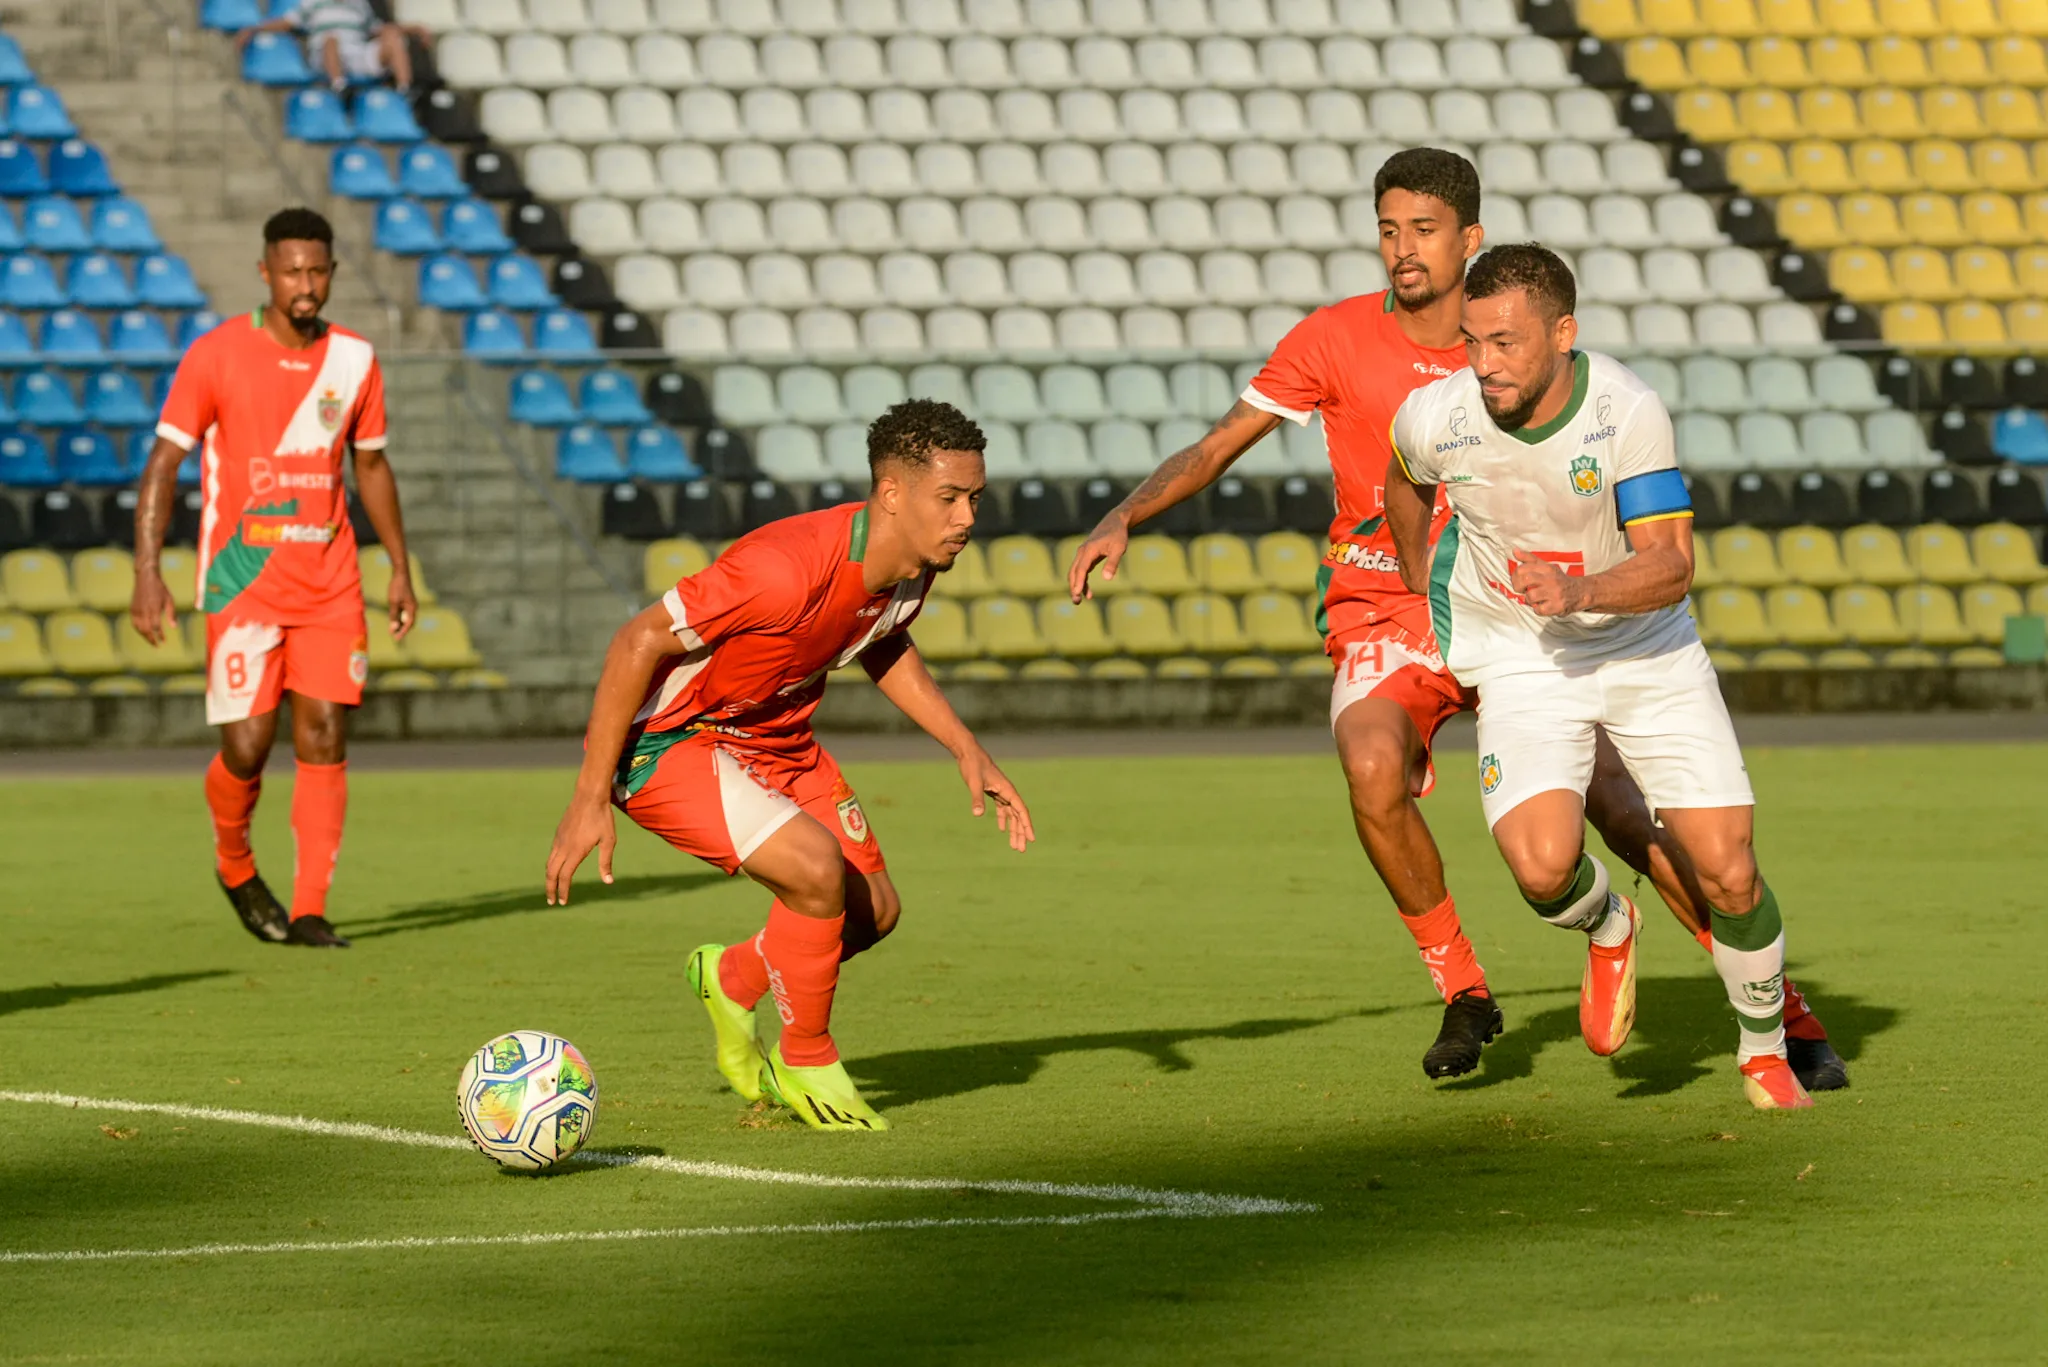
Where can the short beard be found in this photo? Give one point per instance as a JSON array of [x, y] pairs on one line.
[[1516, 418], [312, 325], [1421, 298]]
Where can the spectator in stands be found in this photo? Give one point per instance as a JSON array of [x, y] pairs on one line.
[[346, 39]]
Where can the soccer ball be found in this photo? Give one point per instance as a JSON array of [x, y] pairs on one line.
[[528, 1099]]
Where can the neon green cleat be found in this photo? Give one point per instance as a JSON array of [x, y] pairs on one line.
[[739, 1047], [824, 1098]]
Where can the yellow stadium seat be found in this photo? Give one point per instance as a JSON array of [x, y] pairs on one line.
[[1900, 61], [1799, 616], [1956, 60], [1876, 555], [1971, 18], [1990, 164], [662, 566], [36, 581], [440, 640], [1985, 608], [1929, 615], [1763, 113], [1813, 557], [1882, 166], [374, 563], [385, 653], [1727, 661], [47, 688], [478, 678], [405, 681], [1931, 221], [1157, 564], [1118, 669], [1679, 18], [21, 647], [2030, 272], [1846, 658], [1760, 169], [103, 580], [1919, 273], [1004, 628], [940, 631], [1822, 167], [1840, 62], [1311, 667], [1022, 565], [2028, 17], [183, 685], [1745, 556], [1730, 18], [1731, 616], [1184, 667], [1789, 18], [1275, 623], [969, 576], [1974, 324], [1872, 221], [2037, 600], [1810, 223], [180, 570], [2017, 59], [1826, 112], [1208, 623], [1222, 563], [1994, 220], [1707, 116], [194, 626], [1940, 554], [2026, 323], [1867, 616], [1952, 113], [1862, 275], [2013, 112], [1780, 658], [1986, 273], [1288, 561], [117, 686], [1142, 625], [1656, 63], [1849, 18], [1704, 573], [174, 656], [2006, 553], [1250, 667], [1049, 669], [1074, 630], [1976, 657], [1779, 61], [1888, 112], [81, 642], [1610, 19], [1912, 325], [980, 671], [1718, 62], [1063, 557], [1912, 18]]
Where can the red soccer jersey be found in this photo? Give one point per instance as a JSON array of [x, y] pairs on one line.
[[274, 536], [1352, 362], [764, 624]]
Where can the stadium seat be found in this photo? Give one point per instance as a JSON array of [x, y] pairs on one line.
[[1734, 617], [564, 335], [1072, 630], [1209, 625], [135, 337], [656, 453], [1941, 555], [940, 632], [42, 399], [515, 281], [1876, 555], [35, 581], [27, 282], [275, 59], [440, 640], [95, 281], [1985, 608], [374, 564], [1004, 629], [1142, 625], [359, 172], [471, 225], [103, 579], [1812, 556], [70, 338], [316, 114], [173, 655], [1929, 615], [969, 577], [1222, 563], [36, 111], [51, 223], [448, 282], [1022, 565], [540, 398], [81, 643], [385, 116], [1867, 616], [587, 455], [1275, 623], [1288, 561], [1745, 556], [404, 228], [609, 397], [21, 170], [1157, 565], [21, 647], [1798, 615], [2006, 553], [667, 562], [90, 460]]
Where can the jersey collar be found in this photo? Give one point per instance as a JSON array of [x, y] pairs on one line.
[[857, 542], [1581, 375]]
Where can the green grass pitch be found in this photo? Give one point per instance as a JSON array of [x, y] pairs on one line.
[[1193, 982]]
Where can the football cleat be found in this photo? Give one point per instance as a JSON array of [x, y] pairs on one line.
[[1607, 994], [314, 932], [1770, 1085], [824, 1097], [739, 1043], [1471, 1020], [262, 914], [1816, 1064]]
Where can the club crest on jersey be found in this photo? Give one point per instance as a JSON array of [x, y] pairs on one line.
[[329, 409], [1585, 474], [1489, 774], [853, 820]]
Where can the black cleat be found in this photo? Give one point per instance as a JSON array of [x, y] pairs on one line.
[[262, 914], [314, 931], [1470, 1021], [1816, 1064]]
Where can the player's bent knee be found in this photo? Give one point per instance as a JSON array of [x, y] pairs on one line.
[[1543, 863], [1376, 766]]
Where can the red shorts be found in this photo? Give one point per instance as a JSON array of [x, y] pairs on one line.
[[718, 801], [250, 664], [1387, 662]]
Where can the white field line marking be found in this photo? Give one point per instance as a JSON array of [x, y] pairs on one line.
[[1156, 1201]]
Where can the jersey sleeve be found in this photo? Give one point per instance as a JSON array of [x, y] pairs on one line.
[[1291, 384], [189, 409], [1408, 435], [1647, 484], [367, 432], [756, 587]]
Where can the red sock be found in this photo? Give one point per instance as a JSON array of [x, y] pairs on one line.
[[232, 800], [1446, 953], [802, 957], [1800, 1022], [319, 804], [742, 972]]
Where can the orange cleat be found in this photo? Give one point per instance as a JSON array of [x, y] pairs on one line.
[[1770, 1084], [1607, 994]]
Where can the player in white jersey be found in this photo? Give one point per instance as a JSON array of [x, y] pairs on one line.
[[1558, 590]]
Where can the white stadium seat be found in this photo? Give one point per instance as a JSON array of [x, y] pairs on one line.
[[513, 117], [469, 61], [605, 227], [558, 173]]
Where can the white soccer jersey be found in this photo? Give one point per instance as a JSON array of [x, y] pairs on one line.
[[1562, 492]]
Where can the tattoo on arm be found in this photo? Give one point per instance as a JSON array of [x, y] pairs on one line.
[[1176, 466]]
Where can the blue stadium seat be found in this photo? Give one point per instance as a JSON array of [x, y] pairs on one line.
[[69, 338], [119, 224], [586, 454], [25, 462], [36, 112], [428, 172], [90, 459], [657, 453], [13, 66], [139, 338], [564, 335], [79, 168], [140, 442], [45, 400], [114, 399], [193, 326], [17, 348], [230, 16], [358, 172], [404, 228], [516, 282], [316, 114], [190, 470], [539, 397], [471, 225], [51, 224], [21, 171], [8, 418], [610, 397], [448, 282], [275, 59], [492, 335], [160, 391], [97, 282], [27, 282], [2020, 435], [165, 282], [11, 239], [384, 115]]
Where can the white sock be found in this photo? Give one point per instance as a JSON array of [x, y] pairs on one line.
[[1614, 927], [1582, 906]]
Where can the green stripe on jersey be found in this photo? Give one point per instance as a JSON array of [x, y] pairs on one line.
[[1582, 374], [637, 765], [1440, 569]]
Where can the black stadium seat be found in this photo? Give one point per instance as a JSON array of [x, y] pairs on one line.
[[1960, 437], [581, 284], [1040, 509], [724, 454], [1900, 380], [492, 174], [185, 514], [1094, 499], [13, 531], [1747, 223], [2016, 497], [633, 511], [63, 521], [1238, 506], [448, 116], [1755, 500], [1707, 513], [1305, 505], [1848, 323], [539, 229], [1883, 497], [2026, 382], [1970, 383], [627, 331], [678, 399], [1946, 496], [764, 502], [1820, 500], [702, 511]]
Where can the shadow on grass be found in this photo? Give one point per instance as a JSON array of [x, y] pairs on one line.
[[1685, 1030], [63, 994], [485, 906], [589, 1160]]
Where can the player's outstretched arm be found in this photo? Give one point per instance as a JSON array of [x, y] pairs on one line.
[[1656, 576], [898, 670], [1408, 507], [629, 665], [1179, 477], [378, 488], [149, 606]]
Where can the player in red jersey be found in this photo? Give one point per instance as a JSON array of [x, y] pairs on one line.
[[277, 399], [701, 733], [1354, 362]]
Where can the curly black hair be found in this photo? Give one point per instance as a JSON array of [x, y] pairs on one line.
[[1432, 171], [913, 430], [1524, 266], [298, 225]]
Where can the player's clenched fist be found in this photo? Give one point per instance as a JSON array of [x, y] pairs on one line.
[[1548, 590]]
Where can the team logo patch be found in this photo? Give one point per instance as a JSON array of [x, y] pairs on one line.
[[1585, 474], [1768, 993], [329, 409], [359, 665], [1489, 774], [853, 820]]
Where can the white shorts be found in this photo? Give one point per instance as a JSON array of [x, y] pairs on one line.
[[1663, 712], [360, 58]]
